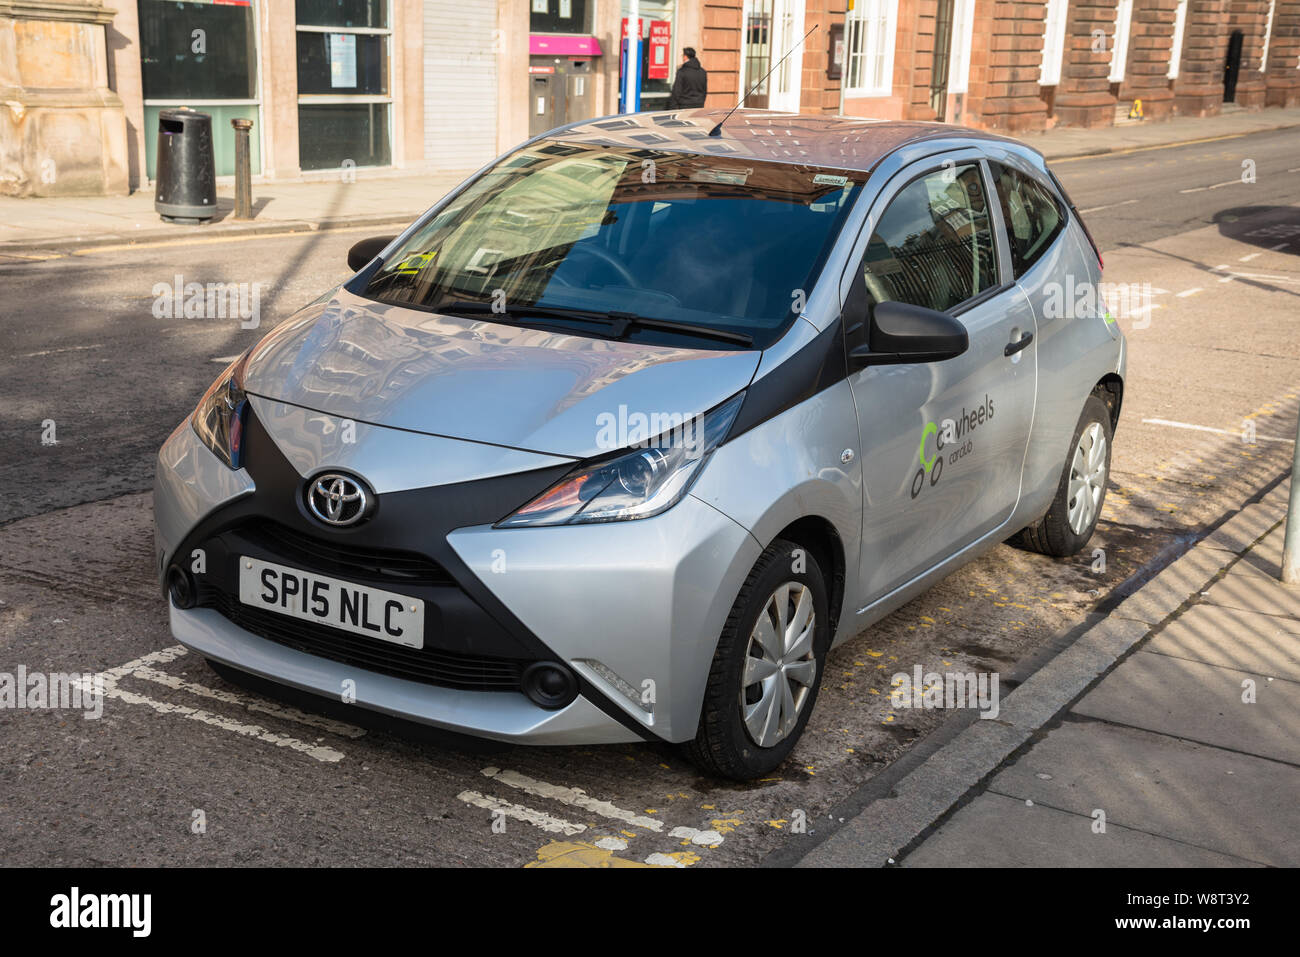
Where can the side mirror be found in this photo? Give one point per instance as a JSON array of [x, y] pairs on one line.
[[899, 332], [366, 250]]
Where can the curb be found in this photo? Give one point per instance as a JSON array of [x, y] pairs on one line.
[[231, 230], [893, 812], [1104, 150]]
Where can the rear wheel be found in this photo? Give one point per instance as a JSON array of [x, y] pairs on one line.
[[1072, 517], [767, 667]]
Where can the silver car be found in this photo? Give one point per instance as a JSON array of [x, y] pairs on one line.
[[621, 437]]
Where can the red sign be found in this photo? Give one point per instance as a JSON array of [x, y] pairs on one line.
[[640, 20], [660, 44], [541, 69]]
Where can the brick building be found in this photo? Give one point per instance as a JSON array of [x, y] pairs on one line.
[[334, 86], [1005, 64]]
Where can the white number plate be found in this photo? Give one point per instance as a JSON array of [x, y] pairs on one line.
[[359, 609]]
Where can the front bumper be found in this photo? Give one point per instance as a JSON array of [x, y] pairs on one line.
[[634, 609]]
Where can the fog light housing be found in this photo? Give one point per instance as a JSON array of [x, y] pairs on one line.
[[549, 685], [180, 587]]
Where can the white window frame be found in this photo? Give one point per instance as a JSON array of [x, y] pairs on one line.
[[870, 32], [1119, 49], [1058, 13], [1268, 35], [1176, 49], [963, 33]]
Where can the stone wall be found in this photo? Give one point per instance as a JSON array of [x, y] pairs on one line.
[[62, 130]]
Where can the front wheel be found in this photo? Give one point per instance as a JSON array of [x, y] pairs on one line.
[[767, 667], [1072, 517]]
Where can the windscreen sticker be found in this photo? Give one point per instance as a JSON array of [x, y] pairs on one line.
[[826, 179]]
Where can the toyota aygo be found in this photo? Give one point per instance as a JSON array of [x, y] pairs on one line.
[[621, 437]]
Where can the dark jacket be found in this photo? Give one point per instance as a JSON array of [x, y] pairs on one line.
[[691, 86]]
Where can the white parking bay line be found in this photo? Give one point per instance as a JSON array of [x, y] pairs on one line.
[[319, 752], [1247, 258], [112, 676], [1274, 249], [573, 797], [252, 704], [1206, 428], [1096, 209], [1190, 292], [546, 822]]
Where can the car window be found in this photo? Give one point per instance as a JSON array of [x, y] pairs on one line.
[[1032, 214], [716, 242], [933, 246]]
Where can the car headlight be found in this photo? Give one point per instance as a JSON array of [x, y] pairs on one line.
[[218, 419], [637, 483]]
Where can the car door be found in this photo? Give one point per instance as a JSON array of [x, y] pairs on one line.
[[942, 443]]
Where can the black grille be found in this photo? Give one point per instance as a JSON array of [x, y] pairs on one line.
[[430, 666], [346, 560]]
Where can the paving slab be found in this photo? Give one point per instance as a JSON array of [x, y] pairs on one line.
[[1251, 589], [1159, 598], [1245, 528], [999, 831], [1200, 702], [1233, 638], [1233, 803]]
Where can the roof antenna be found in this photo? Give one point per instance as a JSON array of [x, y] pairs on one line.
[[717, 130]]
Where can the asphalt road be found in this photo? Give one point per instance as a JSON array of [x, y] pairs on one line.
[[1214, 355]]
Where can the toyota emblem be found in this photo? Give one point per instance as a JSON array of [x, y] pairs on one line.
[[337, 499]]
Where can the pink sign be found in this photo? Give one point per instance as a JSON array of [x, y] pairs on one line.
[[572, 46]]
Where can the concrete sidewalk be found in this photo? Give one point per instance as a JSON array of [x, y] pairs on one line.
[[1187, 748], [30, 228]]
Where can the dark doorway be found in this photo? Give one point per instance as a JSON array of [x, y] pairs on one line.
[[942, 55], [1232, 67]]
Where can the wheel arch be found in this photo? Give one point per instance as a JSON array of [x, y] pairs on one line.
[[1110, 389], [819, 536]]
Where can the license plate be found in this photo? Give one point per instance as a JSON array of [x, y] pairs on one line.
[[359, 609]]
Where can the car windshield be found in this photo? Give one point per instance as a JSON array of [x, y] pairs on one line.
[[714, 243]]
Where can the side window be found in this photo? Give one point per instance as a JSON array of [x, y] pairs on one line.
[[1032, 213], [933, 246]]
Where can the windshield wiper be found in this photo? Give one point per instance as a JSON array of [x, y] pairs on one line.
[[618, 323]]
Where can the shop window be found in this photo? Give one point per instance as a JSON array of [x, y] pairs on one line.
[[344, 89], [559, 16], [204, 56]]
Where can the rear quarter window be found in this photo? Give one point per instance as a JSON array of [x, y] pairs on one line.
[[1032, 214]]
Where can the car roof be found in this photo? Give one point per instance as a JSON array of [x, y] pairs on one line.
[[839, 142]]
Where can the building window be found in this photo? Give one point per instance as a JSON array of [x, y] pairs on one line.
[[344, 93], [1268, 35], [204, 56], [1053, 42], [963, 31], [870, 45], [656, 77], [1176, 48], [559, 16]]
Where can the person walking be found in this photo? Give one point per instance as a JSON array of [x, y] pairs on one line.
[[691, 85]]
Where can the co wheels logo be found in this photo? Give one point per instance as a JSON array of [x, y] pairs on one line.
[[954, 433], [933, 465]]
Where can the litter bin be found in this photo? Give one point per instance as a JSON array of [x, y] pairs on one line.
[[186, 174]]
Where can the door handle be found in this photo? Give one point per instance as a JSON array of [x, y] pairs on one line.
[[1014, 347]]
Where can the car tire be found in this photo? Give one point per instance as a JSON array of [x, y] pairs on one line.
[[791, 657], [1081, 494]]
